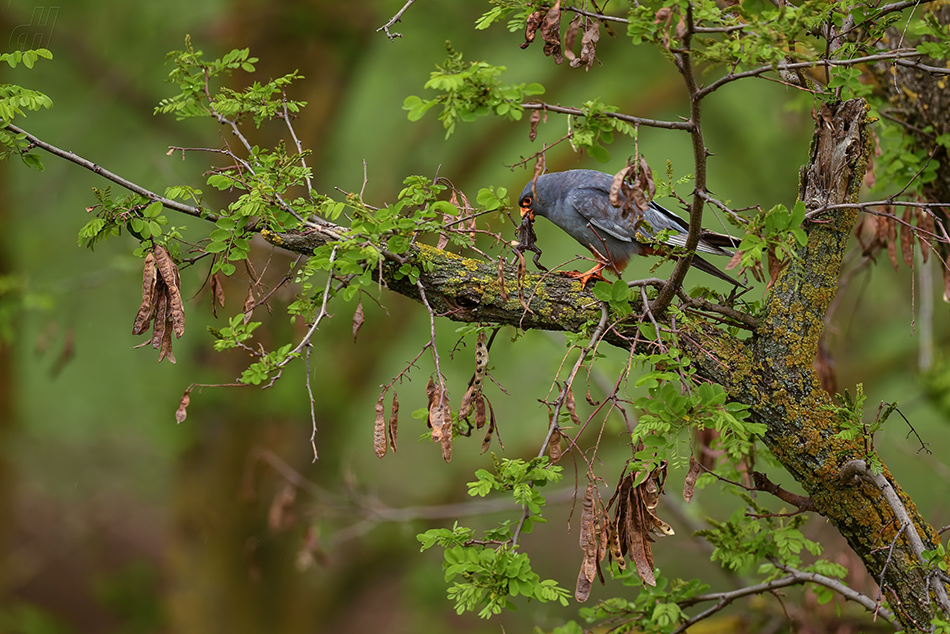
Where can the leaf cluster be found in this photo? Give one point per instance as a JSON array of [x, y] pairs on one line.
[[469, 92], [485, 573]]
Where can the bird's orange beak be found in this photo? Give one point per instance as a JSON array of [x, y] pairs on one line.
[[526, 211]]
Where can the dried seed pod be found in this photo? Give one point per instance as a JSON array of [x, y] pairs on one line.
[[182, 413], [393, 422], [379, 428], [147, 309], [160, 317], [169, 272], [690, 483]]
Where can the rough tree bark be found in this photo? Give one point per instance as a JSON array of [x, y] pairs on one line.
[[771, 371]]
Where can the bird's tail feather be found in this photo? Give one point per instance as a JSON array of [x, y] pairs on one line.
[[705, 266], [720, 240]]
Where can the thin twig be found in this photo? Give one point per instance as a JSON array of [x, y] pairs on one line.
[[393, 20], [652, 123], [115, 178], [303, 162]]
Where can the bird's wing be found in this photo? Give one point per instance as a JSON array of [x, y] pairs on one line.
[[593, 204]]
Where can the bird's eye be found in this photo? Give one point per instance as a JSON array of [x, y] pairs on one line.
[[526, 201]]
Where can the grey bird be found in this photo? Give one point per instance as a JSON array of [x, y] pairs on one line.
[[578, 201]]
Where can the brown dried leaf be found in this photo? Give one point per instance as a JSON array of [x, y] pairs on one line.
[[891, 228], [531, 27], [616, 187], [379, 428], [690, 482], [166, 266], [393, 422], [147, 309], [534, 120], [570, 36], [735, 260], [589, 44], [357, 320], [681, 28], [217, 291], [880, 224], [554, 448], [775, 267], [569, 404], [663, 15], [434, 394], [907, 238], [166, 346], [280, 515], [643, 189], [551, 33], [249, 304], [182, 413], [925, 223]]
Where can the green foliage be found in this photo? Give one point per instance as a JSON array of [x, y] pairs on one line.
[[595, 130], [742, 541], [195, 77], [484, 574], [654, 610], [673, 406], [27, 58], [16, 101], [777, 231], [850, 418], [268, 367], [936, 558], [234, 334], [488, 575], [469, 92], [616, 295], [141, 217]]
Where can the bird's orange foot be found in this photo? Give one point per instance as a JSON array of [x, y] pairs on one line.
[[586, 277]]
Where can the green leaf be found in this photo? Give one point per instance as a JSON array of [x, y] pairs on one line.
[[599, 153], [153, 210]]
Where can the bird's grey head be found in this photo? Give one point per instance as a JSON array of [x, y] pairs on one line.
[[541, 194]]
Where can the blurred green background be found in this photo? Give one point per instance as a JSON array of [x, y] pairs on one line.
[[115, 519]]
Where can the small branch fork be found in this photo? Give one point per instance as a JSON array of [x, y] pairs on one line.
[[795, 577], [385, 28], [859, 469]]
